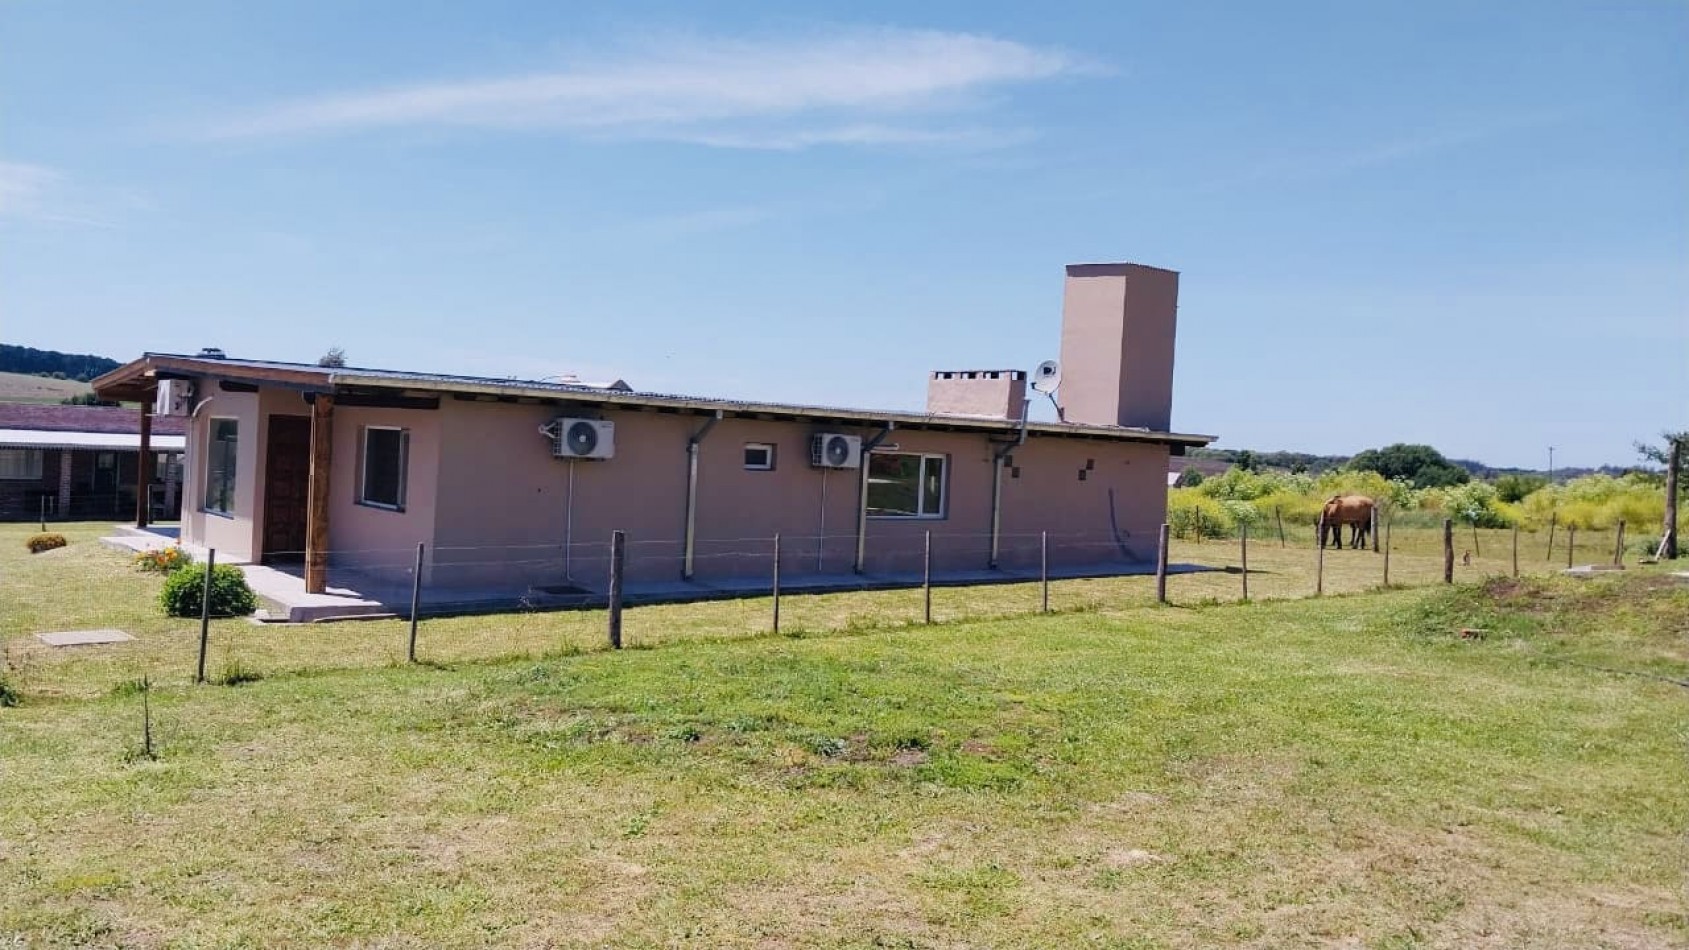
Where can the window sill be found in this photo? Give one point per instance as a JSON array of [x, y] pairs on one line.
[[225, 515], [908, 517], [399, 509]]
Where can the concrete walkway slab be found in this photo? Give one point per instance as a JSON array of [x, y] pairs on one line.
[[82, 638]]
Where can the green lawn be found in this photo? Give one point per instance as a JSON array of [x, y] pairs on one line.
[[1346, 771], [92, 586]]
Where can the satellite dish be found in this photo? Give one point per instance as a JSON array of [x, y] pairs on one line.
[[582, 438], [1046, 377]]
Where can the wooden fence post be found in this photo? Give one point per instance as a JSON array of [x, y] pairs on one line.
[[926, 581], [1375, 529], [416, 602], [1553, 520], [1161, 566], [1448, 550], [775, 587], [1571, 543], [1476, 551], [1244, 540], [1319, 562], [1387, 523], [1515, 550], [618, 556], [1044, 572], [1618, 546], [1278, 515], [205, 615]]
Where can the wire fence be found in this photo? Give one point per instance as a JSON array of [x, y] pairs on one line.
[[470, 603]]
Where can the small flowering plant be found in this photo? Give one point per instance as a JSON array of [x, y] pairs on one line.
[[162, 560]]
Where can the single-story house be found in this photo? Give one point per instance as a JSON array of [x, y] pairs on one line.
[[525, 481], [83, 462]]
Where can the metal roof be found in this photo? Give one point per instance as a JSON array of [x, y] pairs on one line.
[[140, 374], [56, 418], [59, 439]]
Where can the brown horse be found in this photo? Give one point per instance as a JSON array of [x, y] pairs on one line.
[[1352, 510]]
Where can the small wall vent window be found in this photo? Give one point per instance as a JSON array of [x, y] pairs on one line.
[[905, 485], [386, 456], [20, 465], [759, 457], [220, 466]]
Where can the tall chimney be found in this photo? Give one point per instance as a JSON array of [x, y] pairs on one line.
[[1117, 330]]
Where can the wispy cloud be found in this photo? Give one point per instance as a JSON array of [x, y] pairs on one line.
[[1316, 166], [22, 187], [39, 193], [860, 87]]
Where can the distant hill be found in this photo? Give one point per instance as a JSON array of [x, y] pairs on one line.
[[20, 387], [77, 366]]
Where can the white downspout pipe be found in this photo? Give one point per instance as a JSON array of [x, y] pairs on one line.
[[692, 445]]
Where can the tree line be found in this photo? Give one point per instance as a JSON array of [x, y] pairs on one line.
[[28, 360]]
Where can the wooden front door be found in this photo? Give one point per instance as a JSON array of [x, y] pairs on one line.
[[287, 480]]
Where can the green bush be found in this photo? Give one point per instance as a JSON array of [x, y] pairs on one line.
[[1191, 513], [230, 597], [44, 542]]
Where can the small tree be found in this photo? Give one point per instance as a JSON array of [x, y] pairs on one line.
[[1190, 477], [1421, 464], [334, 358], [1671, 456]]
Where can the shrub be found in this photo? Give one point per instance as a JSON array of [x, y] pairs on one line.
[[1473, 503], [162, 560], [230, 596], [1515, 488], [45, 542], [1190, 513]]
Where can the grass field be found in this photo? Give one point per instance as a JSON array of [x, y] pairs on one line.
[[21, 387], [97, 588], [1346, 771]]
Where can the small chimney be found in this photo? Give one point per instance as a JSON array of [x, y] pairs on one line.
[[994, 393], [212, 353], [1118, 323]]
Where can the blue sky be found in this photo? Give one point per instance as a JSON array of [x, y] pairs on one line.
[[1455, 223]]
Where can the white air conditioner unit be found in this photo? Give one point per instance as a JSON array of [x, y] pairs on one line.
[[174, 397], [582, 438], [835, 450]]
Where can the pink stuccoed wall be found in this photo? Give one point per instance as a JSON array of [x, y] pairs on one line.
[[495, 508], [379, 538]]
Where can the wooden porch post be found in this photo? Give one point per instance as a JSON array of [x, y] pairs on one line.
[[143, 468], [316, 499]]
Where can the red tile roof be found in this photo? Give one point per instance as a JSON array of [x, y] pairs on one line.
[[109, 419]]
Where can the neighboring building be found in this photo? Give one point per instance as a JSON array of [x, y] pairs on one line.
[[501, 479], [1207, 468], [83, 462]]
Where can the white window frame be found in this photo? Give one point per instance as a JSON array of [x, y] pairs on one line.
[[767, 466], [404, 467], [920, 494], [29, 455], [233, 466]]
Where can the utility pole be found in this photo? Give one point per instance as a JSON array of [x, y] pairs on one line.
[[1551, 465]]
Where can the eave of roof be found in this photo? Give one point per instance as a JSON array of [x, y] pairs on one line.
[[134, 380]]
